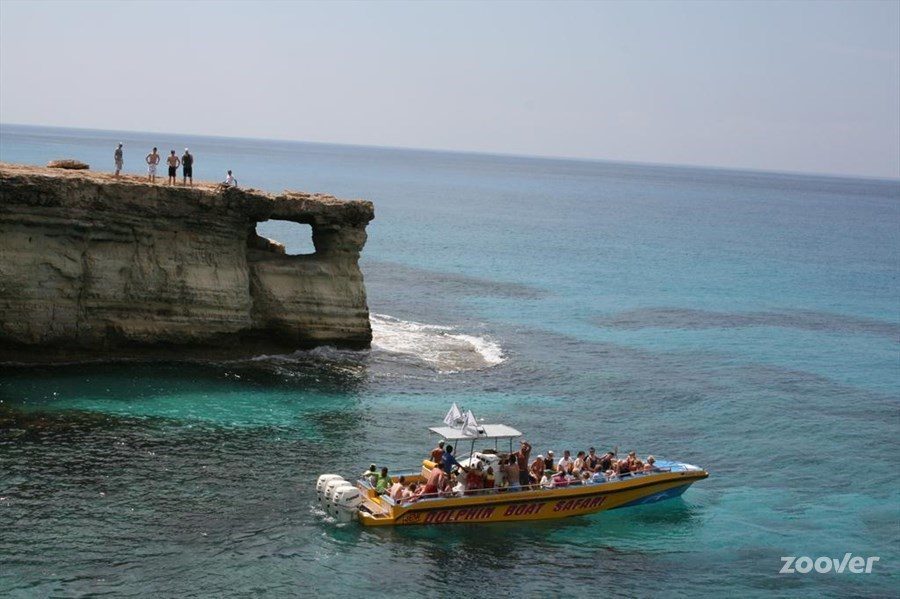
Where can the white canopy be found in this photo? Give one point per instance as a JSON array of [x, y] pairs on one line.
[[486, 431]]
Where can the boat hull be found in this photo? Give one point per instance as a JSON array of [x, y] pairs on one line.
[[539, 504]]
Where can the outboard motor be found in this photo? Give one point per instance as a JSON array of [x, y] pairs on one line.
[[345, 504], [331, 489], [324, 480]]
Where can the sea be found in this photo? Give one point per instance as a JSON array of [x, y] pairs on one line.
[[746, 322]]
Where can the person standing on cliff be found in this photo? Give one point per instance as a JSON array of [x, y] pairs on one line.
[[174, 162], [152, 160], [117, 156], [187, 167]]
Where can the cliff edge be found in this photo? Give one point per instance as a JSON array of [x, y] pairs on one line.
[[97, 267]]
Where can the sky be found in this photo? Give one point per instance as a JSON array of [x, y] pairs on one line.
[[785, 86]]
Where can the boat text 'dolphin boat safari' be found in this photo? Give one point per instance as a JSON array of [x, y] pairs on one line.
[[443, 497]]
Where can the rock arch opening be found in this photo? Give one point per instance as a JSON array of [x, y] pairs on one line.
[[295, 238]]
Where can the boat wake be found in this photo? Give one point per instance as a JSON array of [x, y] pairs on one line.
[[439, 347]]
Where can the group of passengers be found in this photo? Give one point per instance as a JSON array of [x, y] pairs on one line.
[[399, 490], [591, 467], [514, 472], [584, 467]]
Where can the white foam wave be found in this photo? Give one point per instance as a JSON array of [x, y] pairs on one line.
[[436, 345], [490, 351]]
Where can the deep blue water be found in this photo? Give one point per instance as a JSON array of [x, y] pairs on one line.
[[746, 322]]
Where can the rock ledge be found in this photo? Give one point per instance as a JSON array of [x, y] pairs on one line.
[[98, 267]]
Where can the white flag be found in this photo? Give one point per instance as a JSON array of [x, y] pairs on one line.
[[470, 425], [454, 416]]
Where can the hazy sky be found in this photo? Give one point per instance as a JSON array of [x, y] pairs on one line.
[[794, 86]]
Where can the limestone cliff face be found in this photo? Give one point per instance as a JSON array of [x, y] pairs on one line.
[[97, 267]]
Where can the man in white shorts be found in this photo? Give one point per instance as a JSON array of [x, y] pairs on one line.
[[152, 160]]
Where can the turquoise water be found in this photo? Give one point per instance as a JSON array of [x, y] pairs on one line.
[[746, 322]]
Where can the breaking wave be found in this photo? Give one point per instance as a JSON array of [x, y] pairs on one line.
[[438, 346], [398, 346]]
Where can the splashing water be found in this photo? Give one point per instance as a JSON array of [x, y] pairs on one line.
[[437, 346]]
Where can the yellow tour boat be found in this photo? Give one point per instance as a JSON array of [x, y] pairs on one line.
[[346, 501]]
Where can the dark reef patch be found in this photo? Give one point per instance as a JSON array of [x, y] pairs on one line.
[[689, 319]]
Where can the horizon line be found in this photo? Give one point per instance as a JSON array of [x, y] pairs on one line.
[[486, 153]]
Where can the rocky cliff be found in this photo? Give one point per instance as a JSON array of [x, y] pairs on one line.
[[93, 266]]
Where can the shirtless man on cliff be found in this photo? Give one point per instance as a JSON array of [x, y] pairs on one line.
[[174, 162], [152, 160]]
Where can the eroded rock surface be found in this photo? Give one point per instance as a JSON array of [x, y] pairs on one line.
[[76, 165], [93, 266]]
